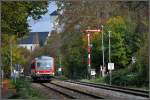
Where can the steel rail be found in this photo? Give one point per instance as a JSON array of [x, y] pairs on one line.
[[65, 94], [113, 88], [132, 89], [81, 92]]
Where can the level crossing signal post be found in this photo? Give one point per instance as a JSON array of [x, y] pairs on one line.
[[89, 31]]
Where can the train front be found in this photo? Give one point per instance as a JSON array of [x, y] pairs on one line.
[[44, 68]]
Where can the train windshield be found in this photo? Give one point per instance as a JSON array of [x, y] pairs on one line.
[[44, 65]]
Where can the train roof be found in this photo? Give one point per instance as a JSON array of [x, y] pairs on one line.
[[44, 58]]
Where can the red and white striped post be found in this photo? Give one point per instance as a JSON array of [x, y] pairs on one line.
[[89, 48], [89, 51]]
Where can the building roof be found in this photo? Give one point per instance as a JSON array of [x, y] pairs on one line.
[[54, 13], [29, 39]]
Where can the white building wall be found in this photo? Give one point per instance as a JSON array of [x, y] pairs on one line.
[[30, 47]]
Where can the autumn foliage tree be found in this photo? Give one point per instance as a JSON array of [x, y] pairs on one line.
[[127, 22]]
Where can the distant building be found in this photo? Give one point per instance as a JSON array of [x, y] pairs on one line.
[[35, 39]]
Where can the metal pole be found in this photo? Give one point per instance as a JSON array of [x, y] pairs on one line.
[[109, 47], [102, 46], [60, 64], [110, 59], [11, 56], [89, 58], [110, 77], [60, 61]]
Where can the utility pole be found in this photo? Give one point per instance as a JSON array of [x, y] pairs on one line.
[[103, 46], [109, 47], [11, 57], [60, 65]]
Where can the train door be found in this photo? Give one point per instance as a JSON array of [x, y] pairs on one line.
[[33, 66]]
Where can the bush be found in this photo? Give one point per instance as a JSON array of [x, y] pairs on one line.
[[97, 80], [24, 90], [126, 78], [63, 77]]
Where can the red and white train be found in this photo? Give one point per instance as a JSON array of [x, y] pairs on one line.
[[42, 68]]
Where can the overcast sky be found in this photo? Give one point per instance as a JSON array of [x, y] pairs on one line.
[[44, 24]]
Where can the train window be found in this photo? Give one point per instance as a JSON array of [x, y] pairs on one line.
[[38, 64], [43, 64], [48, 65]]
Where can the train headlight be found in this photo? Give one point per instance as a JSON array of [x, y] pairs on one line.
[[37, 73]]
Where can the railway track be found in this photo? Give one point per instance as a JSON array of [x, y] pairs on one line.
[[69, 92], [136, 92], [73, 93]]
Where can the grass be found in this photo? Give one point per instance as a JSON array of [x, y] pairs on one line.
[[94, 80], [62, 77]]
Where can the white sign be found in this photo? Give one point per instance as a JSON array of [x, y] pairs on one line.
[[101, 68], [110, 66], [93, 72], [59, 69]]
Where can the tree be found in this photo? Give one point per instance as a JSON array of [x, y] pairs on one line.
[[14, 24], [14, 15], [73, 54], [117, 26], [18, 54], [141, 66], [123, 19]]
